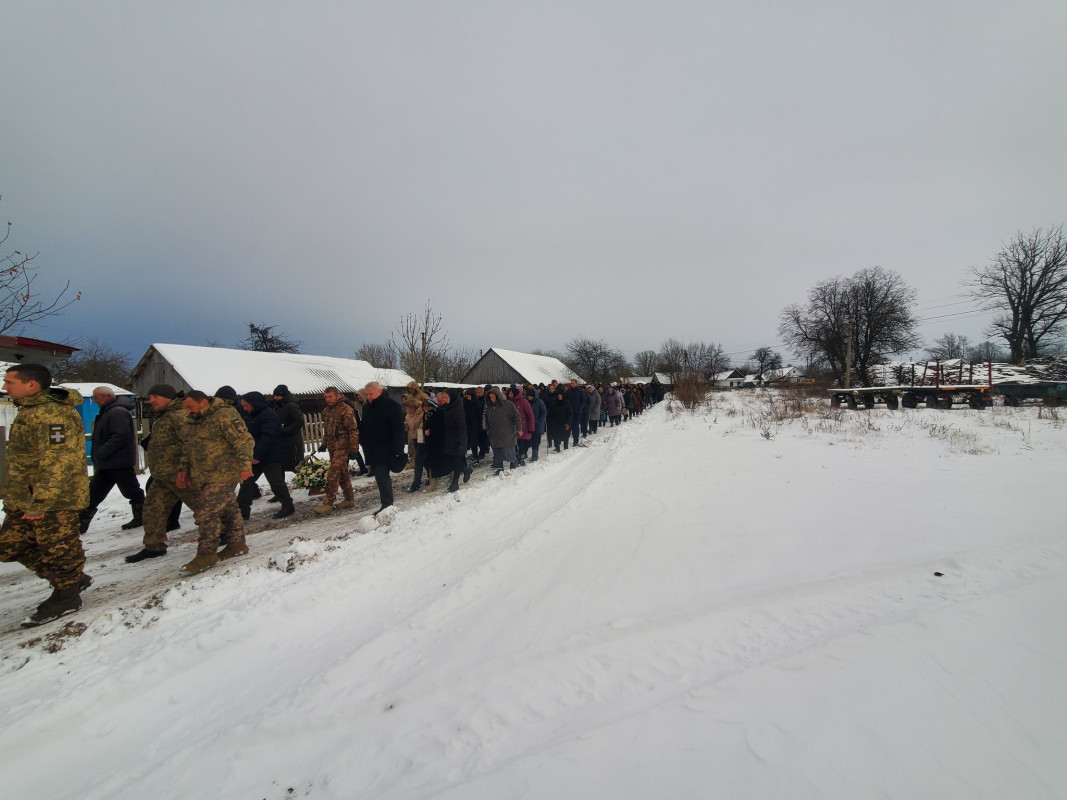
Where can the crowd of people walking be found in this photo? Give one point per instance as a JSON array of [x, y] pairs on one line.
[[209, 451]]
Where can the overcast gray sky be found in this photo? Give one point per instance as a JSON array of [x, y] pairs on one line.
[[622, 170]]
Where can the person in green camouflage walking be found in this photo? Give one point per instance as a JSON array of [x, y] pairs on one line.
[[163, 452], [216, 456], [48, 485]]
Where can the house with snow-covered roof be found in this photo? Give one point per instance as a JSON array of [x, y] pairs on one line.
[[501, 367], [787, 374], [729, 379], [187, 367]]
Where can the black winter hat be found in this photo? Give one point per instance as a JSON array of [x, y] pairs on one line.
[[281, 389], [163, 390], [227, 393]]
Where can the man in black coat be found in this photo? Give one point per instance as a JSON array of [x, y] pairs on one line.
[[114, 455], [578, 400], [290, 428], [267, 457], [383, 438], [455, 436]]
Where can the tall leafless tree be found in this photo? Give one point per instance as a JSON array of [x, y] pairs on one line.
[[766, 359], [382, 356], [1027, 282], [94, 362], [948, 347], [594, 359], [875, 305], [986, 351], [645, 362], [673, 358], [20, 303], [457, 363], [422, 344]]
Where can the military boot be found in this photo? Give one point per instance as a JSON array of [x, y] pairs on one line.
[[85, 516], [59, 603], [346, 504], [287, 509], [200, 563], [232, 550], [136, 522], [141, 555], [324, 509]]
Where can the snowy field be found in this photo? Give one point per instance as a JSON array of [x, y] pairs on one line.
[[745, 602]]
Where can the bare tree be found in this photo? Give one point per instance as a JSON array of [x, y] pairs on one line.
[[95, 362], [456, 364], [867, 317], [698, 360], [381, 356], [556, 354], [948, 347], [766, 359], [707, 359], [622, 369], [986, 351], [422, 344], [263, 339], [672, 358], [1027, 281], [594, 359], [645, 362], [20, 304]]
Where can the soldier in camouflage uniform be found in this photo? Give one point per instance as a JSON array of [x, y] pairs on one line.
[[163, 452], [48, 484], [216, 456], [340, 436]]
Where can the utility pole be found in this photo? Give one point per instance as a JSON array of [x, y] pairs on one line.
[[848, 357]]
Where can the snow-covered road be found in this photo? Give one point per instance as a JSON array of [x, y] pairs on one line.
[[737, 603]]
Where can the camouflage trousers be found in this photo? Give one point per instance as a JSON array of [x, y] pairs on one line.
[[51, 546], [217, 516], [160, 498], [337, 477]]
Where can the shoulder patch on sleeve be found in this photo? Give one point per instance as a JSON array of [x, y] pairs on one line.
[[57, 434]]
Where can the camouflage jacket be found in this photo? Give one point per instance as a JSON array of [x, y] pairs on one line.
[[340, 433], [217, 446], [46, 454], [164, 451], [413, 398]]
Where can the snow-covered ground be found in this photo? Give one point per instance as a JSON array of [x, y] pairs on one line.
[[737, 603]]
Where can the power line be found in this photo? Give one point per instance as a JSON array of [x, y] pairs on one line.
[[974, 313]]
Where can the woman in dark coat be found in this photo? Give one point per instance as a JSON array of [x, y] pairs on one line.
[[559, 419], [503, 425], [433, 430]]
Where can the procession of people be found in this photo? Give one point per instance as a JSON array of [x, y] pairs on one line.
[[208, 452]]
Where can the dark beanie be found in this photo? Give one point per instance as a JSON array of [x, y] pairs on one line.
[[163, 390], [281, 389], [227, 393]]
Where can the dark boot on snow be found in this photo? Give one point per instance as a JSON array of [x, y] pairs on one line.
[[287, 509], [141, 555], [60, 603]]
